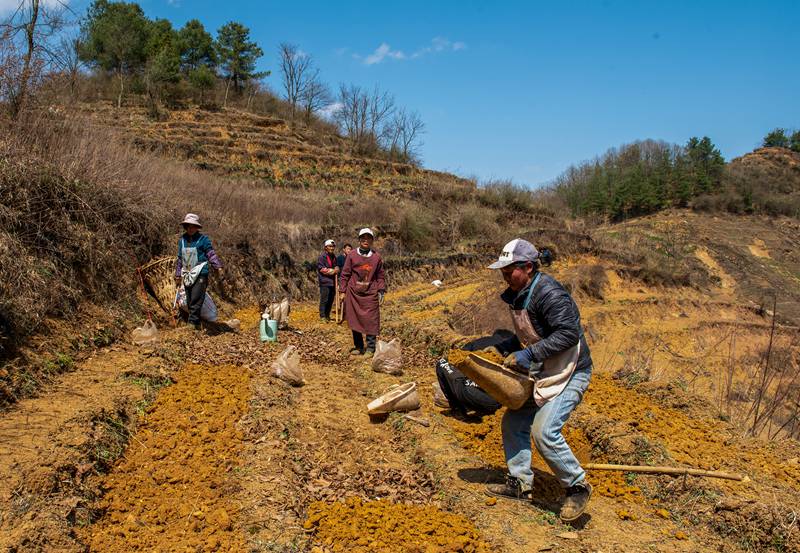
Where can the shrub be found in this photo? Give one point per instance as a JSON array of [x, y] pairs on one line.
[[474, 221], [417, 230]]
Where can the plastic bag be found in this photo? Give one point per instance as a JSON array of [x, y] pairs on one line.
[[145, 334], [234, 324], [208, 312], [287, 367], [279, 311], [388, 358]]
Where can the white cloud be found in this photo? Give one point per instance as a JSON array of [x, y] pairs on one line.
[[382, 52], [330, 110], [439, 44]]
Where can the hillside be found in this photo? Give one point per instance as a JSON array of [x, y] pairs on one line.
[[780, 163], [236, 142]]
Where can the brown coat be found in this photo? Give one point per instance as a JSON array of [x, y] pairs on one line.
[[362, 279]]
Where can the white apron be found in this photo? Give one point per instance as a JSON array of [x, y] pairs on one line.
[[556, 370], [190, 268]]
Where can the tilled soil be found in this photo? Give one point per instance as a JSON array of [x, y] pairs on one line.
[[230, 458], [173, 489], [355, 525]]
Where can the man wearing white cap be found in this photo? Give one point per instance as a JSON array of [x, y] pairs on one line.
[[363, 284], [327, 272], [550, 348], [195, 252]]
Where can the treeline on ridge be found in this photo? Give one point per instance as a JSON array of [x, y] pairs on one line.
[[646, 176], [120, 53]]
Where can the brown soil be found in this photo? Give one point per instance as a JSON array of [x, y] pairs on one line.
[[172, 491], [229, 458], [355, 525]]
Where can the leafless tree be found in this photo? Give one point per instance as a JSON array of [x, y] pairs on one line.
[[65, 60], [381, 109], [297, 72], [404, 135], [24, 35], [363, 115], [315, 97], [353, 114]]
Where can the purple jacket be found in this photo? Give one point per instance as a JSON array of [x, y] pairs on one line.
[[326, 261]]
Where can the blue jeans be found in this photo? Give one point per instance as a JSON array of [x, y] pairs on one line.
[[545, 424]]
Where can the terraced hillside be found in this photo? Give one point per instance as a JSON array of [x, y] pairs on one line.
[[235, 142]]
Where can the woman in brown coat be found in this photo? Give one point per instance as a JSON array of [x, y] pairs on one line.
[[363, 285]]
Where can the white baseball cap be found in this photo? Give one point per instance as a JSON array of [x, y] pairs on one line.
[[366, 230], [329, 242], [516, 251], [192, 219]]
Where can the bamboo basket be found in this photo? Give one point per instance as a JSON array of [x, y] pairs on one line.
[[159, 279], [509, 388]]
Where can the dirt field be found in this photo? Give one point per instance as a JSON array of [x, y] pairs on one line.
[[228, 458]]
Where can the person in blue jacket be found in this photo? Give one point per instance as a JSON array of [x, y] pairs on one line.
[[195, 253]]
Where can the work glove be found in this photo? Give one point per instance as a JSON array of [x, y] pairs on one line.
[[522, 362], [380, 298], [519, 361]]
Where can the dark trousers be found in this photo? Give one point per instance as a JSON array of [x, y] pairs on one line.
[[195, 294], [358, 341], [462, 393], [326, 296]]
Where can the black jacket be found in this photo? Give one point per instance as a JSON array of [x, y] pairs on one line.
[[555, 318]]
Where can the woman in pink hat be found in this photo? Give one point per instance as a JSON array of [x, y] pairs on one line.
[[195, 252]]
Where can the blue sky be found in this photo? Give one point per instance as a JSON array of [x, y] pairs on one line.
[[521, 90]]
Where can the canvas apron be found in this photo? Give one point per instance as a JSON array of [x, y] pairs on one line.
[[190, 268], [556, 370]]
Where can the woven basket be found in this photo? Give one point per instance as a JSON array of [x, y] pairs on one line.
[[509, 388], [159, 280]]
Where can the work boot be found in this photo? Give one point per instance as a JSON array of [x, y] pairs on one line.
[[356, 351], [576, 501], [510, 489], [369, 352]]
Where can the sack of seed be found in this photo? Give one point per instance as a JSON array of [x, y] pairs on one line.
[[388, 358], [287, 367]]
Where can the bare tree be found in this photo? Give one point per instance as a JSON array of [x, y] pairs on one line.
[[381, 108], [24, 35], [315, 97], [353, 115], [363, 116], [65, 60], [297, 72], [404, 135]]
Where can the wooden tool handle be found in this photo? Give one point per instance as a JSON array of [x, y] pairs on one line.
[[665, 470]]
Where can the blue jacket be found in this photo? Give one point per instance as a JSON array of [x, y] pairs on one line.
[[555, 318], [205, 252]]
